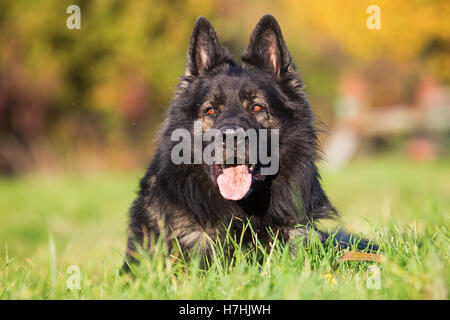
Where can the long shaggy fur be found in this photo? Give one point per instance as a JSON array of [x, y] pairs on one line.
[[181, 200]]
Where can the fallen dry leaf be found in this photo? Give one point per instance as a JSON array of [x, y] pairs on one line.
[[361, 256]]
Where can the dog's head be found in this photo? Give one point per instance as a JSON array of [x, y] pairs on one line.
[[258, 104]]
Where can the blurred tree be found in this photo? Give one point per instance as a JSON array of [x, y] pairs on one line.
[[106, 86], [94, 86]]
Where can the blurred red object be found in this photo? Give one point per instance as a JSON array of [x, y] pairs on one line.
[[421, 149]]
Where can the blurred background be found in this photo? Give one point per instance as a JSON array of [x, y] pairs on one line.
[[92, 99], [79, 110]]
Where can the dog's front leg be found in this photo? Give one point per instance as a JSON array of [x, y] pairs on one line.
[[306, 235]]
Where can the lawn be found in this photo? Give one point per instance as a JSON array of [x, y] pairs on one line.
[[52, 226]]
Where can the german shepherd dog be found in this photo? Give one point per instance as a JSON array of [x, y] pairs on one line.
[[194, 202]]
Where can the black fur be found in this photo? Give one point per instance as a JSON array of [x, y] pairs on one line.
[[183, 198]]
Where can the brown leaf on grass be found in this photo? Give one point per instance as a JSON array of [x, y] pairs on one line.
[[361, 256]]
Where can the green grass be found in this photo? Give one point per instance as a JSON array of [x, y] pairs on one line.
[[51, 222]]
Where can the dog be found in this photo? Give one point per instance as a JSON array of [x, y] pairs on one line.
[[192, 202]]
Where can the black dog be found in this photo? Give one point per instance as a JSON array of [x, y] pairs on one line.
[[194, 202]]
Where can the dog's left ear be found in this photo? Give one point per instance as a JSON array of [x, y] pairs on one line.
[[267, 49]]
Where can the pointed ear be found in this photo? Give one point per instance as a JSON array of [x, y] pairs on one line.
[[267, 49], [205, 50]]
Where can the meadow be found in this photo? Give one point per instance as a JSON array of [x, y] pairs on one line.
[[54, 225]]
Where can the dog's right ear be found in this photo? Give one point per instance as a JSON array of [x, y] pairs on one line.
[[205, 51]]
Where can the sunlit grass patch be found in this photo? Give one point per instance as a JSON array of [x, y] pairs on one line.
[[50, 223]]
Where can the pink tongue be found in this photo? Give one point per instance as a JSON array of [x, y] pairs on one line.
[[234, 182]]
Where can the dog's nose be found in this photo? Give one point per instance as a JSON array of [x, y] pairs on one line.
[[234, 153], [232, 131]]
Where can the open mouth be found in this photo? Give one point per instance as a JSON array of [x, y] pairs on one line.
[[235, 181]]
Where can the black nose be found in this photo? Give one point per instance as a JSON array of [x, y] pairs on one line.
[[233, 131], [236, 135]]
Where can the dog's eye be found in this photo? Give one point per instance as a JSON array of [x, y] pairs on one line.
[[257, 108], [210, 111]]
